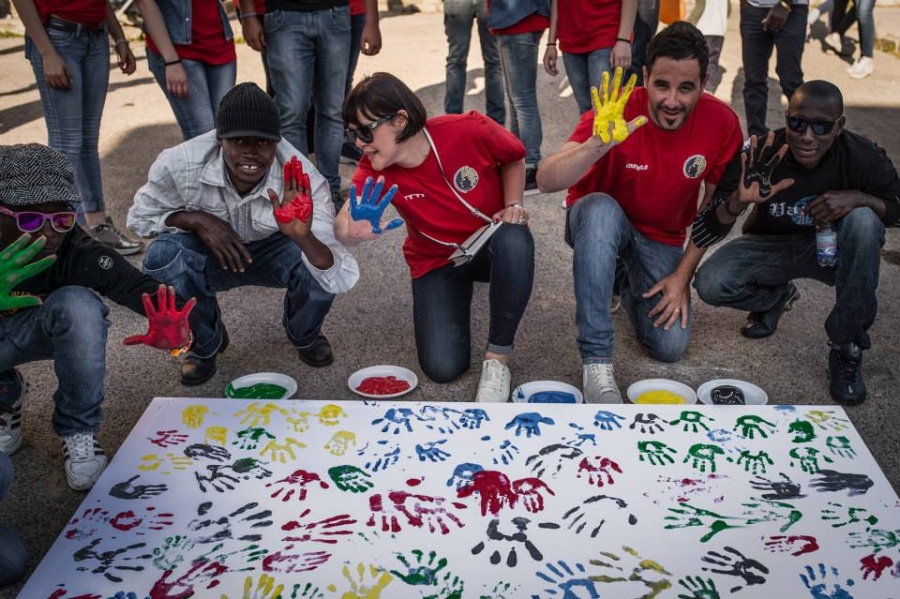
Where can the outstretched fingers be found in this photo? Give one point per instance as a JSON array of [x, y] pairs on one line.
[[388, 196]]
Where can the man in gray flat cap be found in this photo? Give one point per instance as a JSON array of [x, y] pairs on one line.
[[58, 314]]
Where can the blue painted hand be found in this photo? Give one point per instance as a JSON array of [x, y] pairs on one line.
[[369, 206]]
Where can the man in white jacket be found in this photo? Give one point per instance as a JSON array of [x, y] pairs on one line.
[[222, 215]]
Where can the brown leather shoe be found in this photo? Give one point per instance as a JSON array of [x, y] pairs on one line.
[[318, 354], [196, 371]]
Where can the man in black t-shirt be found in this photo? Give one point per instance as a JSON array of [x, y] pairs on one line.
[[810, 173]]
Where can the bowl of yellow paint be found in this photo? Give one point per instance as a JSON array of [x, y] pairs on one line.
[[660, 391]]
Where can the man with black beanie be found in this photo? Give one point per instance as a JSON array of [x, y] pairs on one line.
[[214, 204]]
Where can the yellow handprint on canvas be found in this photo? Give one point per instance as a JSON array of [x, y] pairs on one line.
[[610, 109]]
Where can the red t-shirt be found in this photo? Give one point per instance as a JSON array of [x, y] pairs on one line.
[[587, 25], [530, 24], [471, 148], [357, 7], [655, 175], [208, 43], [80, 11]]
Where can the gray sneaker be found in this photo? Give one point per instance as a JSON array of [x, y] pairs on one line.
[[599, 384], [107, 234], [84, 460], [12, 394]]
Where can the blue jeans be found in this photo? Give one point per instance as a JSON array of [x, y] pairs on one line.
[[599, 231], [309, 54], [182, 260], [357, 25], [585, 70], [207, 84], [73, 115], [70, 328], [862, 10], [13, 556], [458, 17], [519, 54], [442, 303], [756, 50], [752, 273]]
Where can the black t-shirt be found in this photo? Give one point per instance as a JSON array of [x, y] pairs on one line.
[[87, 263], [852, 162]]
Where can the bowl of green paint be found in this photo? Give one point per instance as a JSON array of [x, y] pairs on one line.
[[262, 385]]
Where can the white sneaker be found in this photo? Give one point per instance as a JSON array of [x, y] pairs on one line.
[[834, 41], [599, 384], [862, 68], [494, 385], [84, 460], [11, 420]]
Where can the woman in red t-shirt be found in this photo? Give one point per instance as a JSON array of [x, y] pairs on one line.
[[190, 51], [454, 174]]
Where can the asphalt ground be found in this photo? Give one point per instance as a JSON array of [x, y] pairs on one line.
[[373, 323]]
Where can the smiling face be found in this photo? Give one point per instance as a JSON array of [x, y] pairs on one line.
[[808, 113], [9, 231], [384, 149], [673, 89], [248, 160]]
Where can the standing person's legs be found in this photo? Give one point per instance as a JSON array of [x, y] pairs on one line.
[[715, 43], [219, 81], [579, 79], [756, 50], [495, 106], [357, 25], [458, 17], [645, 24], [519, 55], [332, 57], [291, 52], [789, 43], [195, 113]]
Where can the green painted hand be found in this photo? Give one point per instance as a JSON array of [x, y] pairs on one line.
[[750, 425], [15, 268], [703, 456], [609, 111], [808, 458]]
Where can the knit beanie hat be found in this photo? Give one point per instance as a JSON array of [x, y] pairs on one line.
[[247, 111], [32, 174]]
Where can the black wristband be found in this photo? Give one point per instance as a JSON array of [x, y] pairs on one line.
[[622, 39], [171, 62]]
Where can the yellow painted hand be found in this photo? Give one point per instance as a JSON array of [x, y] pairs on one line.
[[609, 111], [366, 584]]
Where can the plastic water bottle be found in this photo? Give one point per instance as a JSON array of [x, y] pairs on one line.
[[826, 245]]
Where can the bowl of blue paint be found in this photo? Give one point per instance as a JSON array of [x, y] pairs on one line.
[[547, 392]]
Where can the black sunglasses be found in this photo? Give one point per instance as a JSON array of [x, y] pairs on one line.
[[365, 133], [799, 125]]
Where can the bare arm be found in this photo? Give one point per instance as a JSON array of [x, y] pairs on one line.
[[176, 76], [55, 71], [371, 36], [551, 54], [125, 57], [621, 54], [251, 27], [564, 168]]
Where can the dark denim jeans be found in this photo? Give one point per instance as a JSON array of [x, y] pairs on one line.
[[70, 328], [183, 261], [308, 55], [752, 272], [13, 556], [458, 17], [207, 84], [599, 231], [756, 50], [442, 303], [73, 115]]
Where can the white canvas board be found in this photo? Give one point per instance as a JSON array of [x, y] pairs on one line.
[[260, 499]]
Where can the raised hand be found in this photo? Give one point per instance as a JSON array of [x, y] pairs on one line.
[[370, 207], [610, 109], [757, 165], [297, 203], [15, 268], [167, 326]]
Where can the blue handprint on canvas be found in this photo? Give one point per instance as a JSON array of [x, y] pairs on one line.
[[529, 423]]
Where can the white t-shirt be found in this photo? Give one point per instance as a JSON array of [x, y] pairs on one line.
[[714, 20]]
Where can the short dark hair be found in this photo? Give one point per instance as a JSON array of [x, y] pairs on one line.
[[380, 95], [679, 41], [822, 91]]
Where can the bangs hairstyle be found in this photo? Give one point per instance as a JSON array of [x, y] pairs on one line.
[[679, 41], [380, 95]]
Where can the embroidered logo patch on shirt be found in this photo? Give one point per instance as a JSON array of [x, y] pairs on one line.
[[465, 179], [694, 166], [105, 262]]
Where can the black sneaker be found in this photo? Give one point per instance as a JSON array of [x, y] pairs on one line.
[[196, 371], [845, 367], [337, 198], [760, 325], [531, 186], [318, 353]]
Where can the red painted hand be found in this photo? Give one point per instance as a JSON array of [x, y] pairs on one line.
[[168, 327], [297, 201]]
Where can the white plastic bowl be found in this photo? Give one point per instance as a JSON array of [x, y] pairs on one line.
[[272, 378], [636, 390], [753, 395], [528, 392]]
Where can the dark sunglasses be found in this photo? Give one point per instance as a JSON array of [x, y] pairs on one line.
[[32, 222], [365, 133], [799, 125]]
